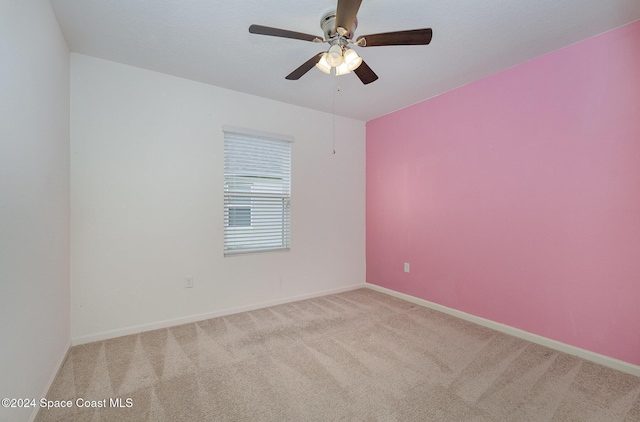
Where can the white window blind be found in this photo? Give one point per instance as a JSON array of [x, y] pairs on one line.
[[257, 192]]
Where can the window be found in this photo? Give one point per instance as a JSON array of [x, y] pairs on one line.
[[257, 191]]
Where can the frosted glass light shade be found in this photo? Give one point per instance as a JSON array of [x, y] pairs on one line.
[[352, 59], [343, 69], [334, 56], [323, 64]]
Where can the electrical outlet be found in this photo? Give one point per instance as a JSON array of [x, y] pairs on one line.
[[188, 282], [406, 267]]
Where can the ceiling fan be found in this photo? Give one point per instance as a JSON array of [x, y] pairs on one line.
[[338, 27]]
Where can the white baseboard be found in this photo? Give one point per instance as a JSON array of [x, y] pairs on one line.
[[200, 317], [607, 361], [52, 378]]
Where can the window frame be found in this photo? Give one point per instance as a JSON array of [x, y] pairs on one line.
[[264, 213]]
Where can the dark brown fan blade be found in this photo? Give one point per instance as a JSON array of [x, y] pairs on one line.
[[304, 68], [411, 37], [365, 73], [346, 13], [276, 32]]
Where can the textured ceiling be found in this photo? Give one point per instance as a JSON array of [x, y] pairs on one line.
[[208, 41]]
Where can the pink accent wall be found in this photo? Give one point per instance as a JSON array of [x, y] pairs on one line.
[[517, 197]]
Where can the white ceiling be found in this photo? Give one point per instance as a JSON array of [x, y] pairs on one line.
[[208, 41]]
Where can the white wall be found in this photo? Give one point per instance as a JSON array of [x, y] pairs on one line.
[[34, 200], [147, 205]]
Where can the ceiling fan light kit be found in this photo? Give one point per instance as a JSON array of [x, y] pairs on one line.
[[338, 27], [344, 60]]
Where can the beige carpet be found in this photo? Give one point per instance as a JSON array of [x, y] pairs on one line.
[[355, 356]]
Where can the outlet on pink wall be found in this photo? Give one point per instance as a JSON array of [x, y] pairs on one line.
[[517, 198]]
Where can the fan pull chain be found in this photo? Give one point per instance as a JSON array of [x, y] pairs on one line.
[[337, 89]]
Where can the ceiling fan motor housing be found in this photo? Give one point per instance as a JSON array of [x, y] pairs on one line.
[[328, 25]]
